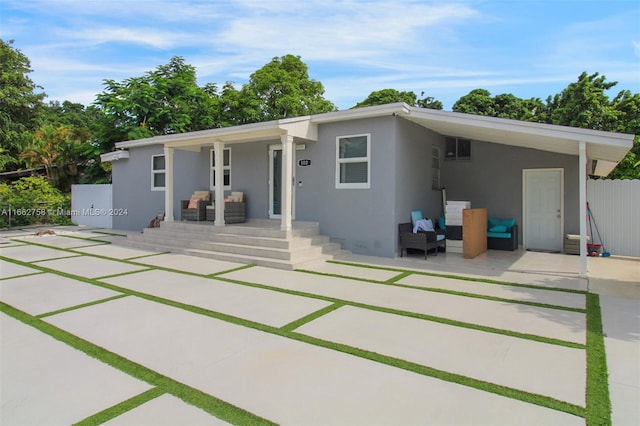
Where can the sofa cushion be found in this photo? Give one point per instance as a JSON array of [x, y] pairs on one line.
[[498, 228], [505, 235], [203, 195], [493, 221]]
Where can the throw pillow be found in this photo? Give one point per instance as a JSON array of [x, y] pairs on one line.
[[193, 203]]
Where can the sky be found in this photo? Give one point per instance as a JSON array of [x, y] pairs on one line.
[[443, 49]]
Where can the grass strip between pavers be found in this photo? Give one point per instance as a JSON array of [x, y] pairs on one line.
[[121, 408], [598, 400], [212, 405], [447, 291], [456, 277], [312, 316], [541, 400], [21, 275], [83, 305]]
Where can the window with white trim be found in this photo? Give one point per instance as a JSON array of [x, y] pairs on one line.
[[158, 172], [435, 167], [226, 169], [353, 155]]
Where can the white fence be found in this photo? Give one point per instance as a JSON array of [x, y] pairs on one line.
[[91, 205], [615, 205]]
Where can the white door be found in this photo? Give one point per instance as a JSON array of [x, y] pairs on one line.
[[275, 183], [543, 209]]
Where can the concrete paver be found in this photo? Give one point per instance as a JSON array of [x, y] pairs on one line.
[[46, 382], [264, 306], [243, 366], [353, 271], [89, 267], [165, 410], [58, 241], [30, 253], [550, 297], [553, 323], [536, 367], [43, 293], [115, 251], [9, 269], [621, 325], [517, 267], [196, 265]]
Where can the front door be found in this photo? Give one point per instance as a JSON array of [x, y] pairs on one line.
[[543, 209], [275, 182]]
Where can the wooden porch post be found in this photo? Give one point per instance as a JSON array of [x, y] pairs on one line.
[[168, 184], [218, 150], [287, 182]]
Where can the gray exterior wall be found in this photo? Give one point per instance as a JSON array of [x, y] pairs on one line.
[[361, 219], [365, 221], [493, 179], [413, 170], [132, 185]]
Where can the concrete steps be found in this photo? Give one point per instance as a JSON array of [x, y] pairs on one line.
[[258, 242]]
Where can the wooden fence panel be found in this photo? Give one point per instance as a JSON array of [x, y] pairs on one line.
[[615, 205]]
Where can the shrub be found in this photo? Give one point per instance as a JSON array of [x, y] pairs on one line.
[[31, 201]]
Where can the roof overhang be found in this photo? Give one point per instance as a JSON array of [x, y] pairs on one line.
[[300, 128], [605, 148]]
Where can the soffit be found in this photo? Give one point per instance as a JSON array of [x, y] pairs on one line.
[[560, 139]]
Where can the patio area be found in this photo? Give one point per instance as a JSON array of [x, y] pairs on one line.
[[359, 340]]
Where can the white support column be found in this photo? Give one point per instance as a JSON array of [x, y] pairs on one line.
[[168, 184], [218, 150], [287, 182], [582, 173]]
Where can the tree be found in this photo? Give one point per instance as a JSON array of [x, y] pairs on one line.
[[20, 105], [164, 101], [59, 149], [386, 96], [282, 88], [585, 104], [506, 105]]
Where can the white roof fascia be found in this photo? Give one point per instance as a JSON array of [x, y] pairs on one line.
[[113, 156], [358, 113], [601, 145], [298, 127], [533, 128]]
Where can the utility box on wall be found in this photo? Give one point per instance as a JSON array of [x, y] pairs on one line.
[[92, 205]]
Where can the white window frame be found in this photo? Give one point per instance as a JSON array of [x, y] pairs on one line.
[[155, 172], [340, 161], [212, 169]]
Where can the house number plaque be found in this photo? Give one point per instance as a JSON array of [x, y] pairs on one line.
[[304, 163]]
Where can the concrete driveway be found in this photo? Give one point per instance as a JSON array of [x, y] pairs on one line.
[[95, 332]]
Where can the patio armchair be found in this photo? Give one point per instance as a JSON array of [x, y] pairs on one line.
[[502, 234], [421, 240], [195, 207]]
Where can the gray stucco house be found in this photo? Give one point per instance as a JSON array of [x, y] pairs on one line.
[[359, 172]]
